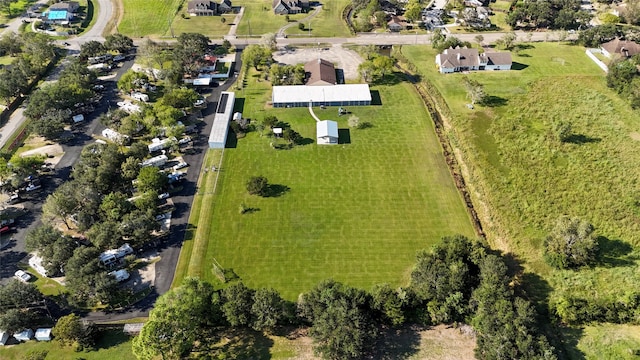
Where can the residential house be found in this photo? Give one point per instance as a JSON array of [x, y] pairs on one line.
[[208, 7], [202, 8], [327, 132], [475, 17], [464, 59], [69, 6], [225, 7], [320, 72], [621, 48], [397, 23], [284, 7]]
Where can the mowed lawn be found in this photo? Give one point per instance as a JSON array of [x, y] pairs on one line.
[[355, 212], [528, 179], [111, 345], [143, 18], [211, 26], [259, 19]]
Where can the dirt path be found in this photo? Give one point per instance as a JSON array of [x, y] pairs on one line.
[[312, 113]]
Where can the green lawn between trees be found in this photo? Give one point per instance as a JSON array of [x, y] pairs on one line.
[[527, 180], [357, 212]]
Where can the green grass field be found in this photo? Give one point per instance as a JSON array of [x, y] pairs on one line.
[[210, 26], [259, 19], [143, 18], [113, 345], [327, 23], [356, 212], [527, 179]]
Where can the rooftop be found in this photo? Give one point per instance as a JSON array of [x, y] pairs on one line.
[[320, 71], [328, 93]]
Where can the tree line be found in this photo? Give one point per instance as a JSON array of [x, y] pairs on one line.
[[458, 281], [32, 53]]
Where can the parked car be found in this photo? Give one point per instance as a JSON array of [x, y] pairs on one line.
[[184, 140], [199, 102], [180, 165], [22, 276], [164, 196], [120, 275], [119, 57], [33, 187]]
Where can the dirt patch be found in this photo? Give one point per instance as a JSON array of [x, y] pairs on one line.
[[347, 60], [54, 150], [145, 276], [635, 136], [410, 342]]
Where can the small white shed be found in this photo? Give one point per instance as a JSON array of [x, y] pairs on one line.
[[25, 335], [327, 132], [4, 337], [43, 334]]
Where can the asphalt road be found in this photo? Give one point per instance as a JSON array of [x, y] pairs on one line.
[[169, 251]]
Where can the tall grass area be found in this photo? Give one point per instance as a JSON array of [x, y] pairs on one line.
[[354, 212], [526, 179], [143, 18]]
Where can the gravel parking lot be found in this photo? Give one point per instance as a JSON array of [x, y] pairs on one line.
[[347, 60]]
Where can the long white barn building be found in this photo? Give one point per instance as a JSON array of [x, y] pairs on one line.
[[220, 128], [329, 95]]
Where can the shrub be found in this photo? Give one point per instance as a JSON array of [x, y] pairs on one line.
[[258, 185]]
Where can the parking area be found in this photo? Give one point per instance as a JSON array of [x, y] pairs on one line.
[[345, 59]]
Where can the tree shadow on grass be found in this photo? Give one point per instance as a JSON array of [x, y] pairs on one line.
[[304, 141], [568, 338], [580, 139], [276, 190], [494, 101], [397, 343], [613, 253], [110, 338]]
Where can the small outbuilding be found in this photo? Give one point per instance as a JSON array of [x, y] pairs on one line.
[[43, 334], [25, 335], [327, 132], [4, 337]]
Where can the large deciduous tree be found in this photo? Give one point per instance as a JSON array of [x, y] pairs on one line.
[[238, 301], [177, 320], [256, 56], [52, 246], [572, 243], [118, 42], [342, 327]]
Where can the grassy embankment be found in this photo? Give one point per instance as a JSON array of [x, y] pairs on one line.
[[356, 212], [524, 179]]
